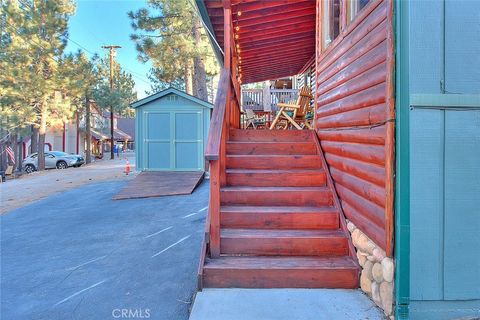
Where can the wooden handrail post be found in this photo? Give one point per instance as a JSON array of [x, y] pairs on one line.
[[214, 208]]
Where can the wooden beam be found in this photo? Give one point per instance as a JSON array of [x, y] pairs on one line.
[[227, 35], [288, 40], [259, 28], [274, 35], [281, 9], [305, 44]]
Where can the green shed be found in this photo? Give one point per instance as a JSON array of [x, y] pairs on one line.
[[171, 131]]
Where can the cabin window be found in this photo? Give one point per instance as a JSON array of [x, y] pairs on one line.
[[330, 21], [354, 7]]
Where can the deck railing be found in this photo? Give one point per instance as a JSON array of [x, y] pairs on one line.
[[255, 98], [226, 115]]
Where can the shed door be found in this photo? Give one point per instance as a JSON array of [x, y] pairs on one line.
[[174, 140]]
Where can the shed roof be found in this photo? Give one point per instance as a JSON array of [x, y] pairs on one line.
[[171, 90], [275, 38]]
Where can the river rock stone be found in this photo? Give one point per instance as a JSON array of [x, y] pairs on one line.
[[376, 294], [355, 234], [361, 258], [379, 254], [388, 269], [365, 283], [377, 272], [350, 226], [386, 295], [367, 268], [362, 243]]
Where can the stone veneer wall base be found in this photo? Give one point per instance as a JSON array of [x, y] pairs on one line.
[[377, 277]]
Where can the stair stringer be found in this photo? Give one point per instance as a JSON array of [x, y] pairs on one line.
[[330, 184]]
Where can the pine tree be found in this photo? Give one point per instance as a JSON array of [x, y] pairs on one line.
[[169, 33], [33, 41], [81, 75]]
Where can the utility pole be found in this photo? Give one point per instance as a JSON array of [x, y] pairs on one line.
[[111, 49]]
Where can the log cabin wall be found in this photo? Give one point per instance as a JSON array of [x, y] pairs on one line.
[[355, 117]]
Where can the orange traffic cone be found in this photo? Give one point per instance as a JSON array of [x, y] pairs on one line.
[[127, 167]]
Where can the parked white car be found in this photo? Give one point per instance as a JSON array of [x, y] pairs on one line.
[[53, 159]]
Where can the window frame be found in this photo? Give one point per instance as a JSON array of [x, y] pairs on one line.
[[349, 14]]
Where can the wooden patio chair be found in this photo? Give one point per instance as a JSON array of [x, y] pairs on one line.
[[251, 119], [295, 114]]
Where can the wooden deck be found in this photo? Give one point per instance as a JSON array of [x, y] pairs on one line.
[[161, 183]]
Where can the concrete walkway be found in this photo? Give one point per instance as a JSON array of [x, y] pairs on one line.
[[283, 304]]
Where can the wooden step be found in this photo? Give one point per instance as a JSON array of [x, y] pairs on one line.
[[270, 135], [276, 196], [285, 178], [259, 217], [281, 272], [247, 147], [273, 161], [263, 242]]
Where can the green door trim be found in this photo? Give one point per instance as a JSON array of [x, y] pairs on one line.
[[402, 189]]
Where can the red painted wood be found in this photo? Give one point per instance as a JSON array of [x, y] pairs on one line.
[[264, 24], [362, 117], [354, 109], [367, 153], [365, 171], [261, 217], [374, 213], [365, 98], [361, 82], [265, 242], [214, 208], [372, 58], [212, 151], [374, 135], [270, 136], [275, 177], [240, 147], [376, 233], [336, 202], [276, 196], [281, 272], [365, 189], [277, 161]]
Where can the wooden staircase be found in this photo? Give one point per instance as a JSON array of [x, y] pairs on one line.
[[280, 221]]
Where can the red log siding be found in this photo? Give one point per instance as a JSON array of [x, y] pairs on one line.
[[354, 108]]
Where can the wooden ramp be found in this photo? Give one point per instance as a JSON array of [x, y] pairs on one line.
[[161, 183]]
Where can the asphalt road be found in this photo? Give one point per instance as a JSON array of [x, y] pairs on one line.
[[81, 255]]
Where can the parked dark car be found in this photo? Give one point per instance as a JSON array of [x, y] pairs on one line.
[[53, 159]]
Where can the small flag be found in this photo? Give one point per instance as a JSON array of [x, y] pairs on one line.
[[10, 154]]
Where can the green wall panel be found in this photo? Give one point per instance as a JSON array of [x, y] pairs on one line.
[[158, 126], [426, 197], [462, 205], [158, 155], [186, 155], [187, 126]]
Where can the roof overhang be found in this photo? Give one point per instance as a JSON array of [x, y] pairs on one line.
[[275, 38], [170, 90]]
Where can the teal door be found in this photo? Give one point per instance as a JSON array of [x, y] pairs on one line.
[[174, 140]]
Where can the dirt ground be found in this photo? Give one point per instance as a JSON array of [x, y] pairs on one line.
[[28, 188]]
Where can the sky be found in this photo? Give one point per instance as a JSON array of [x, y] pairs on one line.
[[105, 22]]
